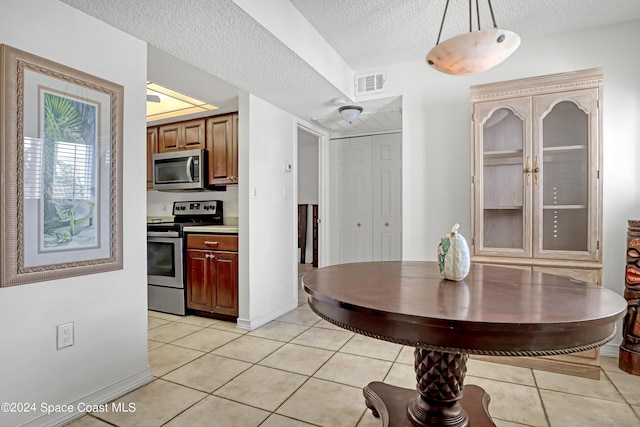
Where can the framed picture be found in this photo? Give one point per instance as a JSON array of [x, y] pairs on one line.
[[61, 161]]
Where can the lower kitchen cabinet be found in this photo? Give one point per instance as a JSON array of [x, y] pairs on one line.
[[212, 274]]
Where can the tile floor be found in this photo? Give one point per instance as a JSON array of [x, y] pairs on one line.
[[299, 370]]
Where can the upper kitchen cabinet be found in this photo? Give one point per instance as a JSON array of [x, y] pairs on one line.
[[222, 144], [152, 148], [536, 171], [217, 134], [186, 135]]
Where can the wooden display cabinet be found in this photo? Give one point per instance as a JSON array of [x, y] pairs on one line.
[[212, 274], [536, 186]]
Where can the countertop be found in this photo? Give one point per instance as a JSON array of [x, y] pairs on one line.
[[224, 229], [230, 227]]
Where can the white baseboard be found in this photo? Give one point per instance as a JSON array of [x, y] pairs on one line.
[[610, 350], [99, 397], [251, 324]]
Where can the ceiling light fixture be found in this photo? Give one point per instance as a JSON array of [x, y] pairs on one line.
[[475, 51], [350, 112]]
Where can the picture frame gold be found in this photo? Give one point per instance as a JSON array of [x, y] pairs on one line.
[[61, 162]]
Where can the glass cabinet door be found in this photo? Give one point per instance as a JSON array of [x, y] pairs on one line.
[[502, 184], [563, 178]]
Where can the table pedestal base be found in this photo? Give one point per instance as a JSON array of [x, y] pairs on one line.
[[438, 400], [390, 404]]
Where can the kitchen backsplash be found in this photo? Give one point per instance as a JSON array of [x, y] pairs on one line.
[[156, 200]]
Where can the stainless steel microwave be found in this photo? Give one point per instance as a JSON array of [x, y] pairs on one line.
[[180, 170]]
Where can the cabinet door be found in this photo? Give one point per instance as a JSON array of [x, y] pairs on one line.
[[502, 178], [188, 135], [152, 148], [225, 294], [234, 149], [222, 150], [566, 186], [193, 134], [201, 273], [169, 137]]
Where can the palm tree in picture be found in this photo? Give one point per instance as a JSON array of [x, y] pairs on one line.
[[63, 127]]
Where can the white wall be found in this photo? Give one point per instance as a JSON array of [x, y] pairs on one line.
[[109, 357], [268, 213], [436, 137]]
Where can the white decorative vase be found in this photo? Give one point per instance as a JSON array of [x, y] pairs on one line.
[[454, 260]]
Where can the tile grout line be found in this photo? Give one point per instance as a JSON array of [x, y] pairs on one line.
[[621, 394]]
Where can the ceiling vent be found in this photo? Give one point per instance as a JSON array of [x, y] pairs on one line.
[[370, 83]]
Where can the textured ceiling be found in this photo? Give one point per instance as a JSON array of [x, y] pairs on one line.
[[221, 39], [377, 32]]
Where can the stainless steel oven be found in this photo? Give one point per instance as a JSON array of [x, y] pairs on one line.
[[165, 271], [166, 277]]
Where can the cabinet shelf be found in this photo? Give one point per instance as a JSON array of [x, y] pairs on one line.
[[564, 148], [502, 153], [502, 208], [565, 207], [502, 157]]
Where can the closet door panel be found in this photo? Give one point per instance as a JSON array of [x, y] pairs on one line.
[[387, 197], [360, 194]]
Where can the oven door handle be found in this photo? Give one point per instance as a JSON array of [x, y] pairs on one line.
[[163, 234]]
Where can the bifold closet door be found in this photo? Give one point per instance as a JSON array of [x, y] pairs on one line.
[[366, 199]]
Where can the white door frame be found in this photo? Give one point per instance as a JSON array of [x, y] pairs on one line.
[[323, 152]]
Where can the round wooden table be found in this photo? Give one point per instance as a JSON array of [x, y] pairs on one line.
[[493, 311]]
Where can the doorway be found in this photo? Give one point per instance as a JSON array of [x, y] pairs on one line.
[[365, 188], [309, 200]]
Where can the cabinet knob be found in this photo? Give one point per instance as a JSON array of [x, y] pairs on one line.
[[358, 224], [386, 224]]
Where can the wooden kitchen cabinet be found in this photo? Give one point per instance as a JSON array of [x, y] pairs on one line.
[[536, 183], [217, 134], [185, 135], [222, 146], [152, 148], [212, 274]]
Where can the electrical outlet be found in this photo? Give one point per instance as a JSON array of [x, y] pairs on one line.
[[65, 335]]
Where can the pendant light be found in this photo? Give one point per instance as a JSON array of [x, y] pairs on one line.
[[475, 51]]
